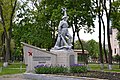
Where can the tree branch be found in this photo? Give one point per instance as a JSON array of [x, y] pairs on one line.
[[2, 21]]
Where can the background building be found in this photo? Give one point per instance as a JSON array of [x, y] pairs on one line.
[[114, 42]]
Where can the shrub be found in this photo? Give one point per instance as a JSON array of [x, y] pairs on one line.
[[78, 68], [44, 69]]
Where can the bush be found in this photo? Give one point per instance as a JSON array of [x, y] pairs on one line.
[[116, 58], [44, 69], [78, 68]]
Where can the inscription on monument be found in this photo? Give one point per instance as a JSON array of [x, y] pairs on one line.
[[41, 58]]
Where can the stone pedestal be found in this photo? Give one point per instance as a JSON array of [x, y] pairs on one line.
[[34, 56], [65, 57]]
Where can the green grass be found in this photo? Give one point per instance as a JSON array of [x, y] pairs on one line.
[[97, 67], [11, 71], [13, 68], [16, 65], [114, 70]]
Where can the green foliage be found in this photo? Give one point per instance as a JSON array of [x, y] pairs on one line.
[[82, 9], [7, 7], [116, 58], [83, 12], [42, 69], [91, 46], [78, 68], [38, 26], [78, 46], [32, 28], [8, 10], [115, 17], [82, 58]]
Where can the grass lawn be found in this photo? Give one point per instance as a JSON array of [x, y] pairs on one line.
[[12, 68], [97, 67]]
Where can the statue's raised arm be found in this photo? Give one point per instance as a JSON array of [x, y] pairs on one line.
[[64, 11]]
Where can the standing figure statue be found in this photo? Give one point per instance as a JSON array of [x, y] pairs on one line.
[[64, 38]]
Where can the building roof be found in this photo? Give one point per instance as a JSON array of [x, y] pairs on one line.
[[80, 51]]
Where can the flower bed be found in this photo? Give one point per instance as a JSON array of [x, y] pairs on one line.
[[78, 68], [45, 69]]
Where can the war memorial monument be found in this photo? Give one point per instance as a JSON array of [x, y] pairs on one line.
[[61, 54]]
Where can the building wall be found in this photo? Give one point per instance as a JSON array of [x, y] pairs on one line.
[[114, 42]]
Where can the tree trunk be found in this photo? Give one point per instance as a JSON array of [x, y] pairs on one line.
[[6, 37], [11, 25], [109, 46], [3, 46], [100, 45], [77, 30], [53, 34], [108, 33], [7, 51], [73, 35], [104, 41], [85, 58]]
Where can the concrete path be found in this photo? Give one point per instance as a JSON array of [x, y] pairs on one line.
[[13, 77], [55, 77], [48, 77]]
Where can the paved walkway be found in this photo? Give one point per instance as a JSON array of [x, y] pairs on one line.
[[13, 77], [20, 77]]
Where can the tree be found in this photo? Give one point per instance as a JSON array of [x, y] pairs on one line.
[[115, 17], [105, 9], [99, 20], [117, 59], [32, 27], [7, 10], [78, 46], [82, 16], [93, 48], [108, 13], [104, 44], [53, 14], [48, 13]]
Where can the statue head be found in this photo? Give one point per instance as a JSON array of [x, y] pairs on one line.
[[65, 18]]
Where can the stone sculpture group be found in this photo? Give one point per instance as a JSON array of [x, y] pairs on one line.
[[64, 38]]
